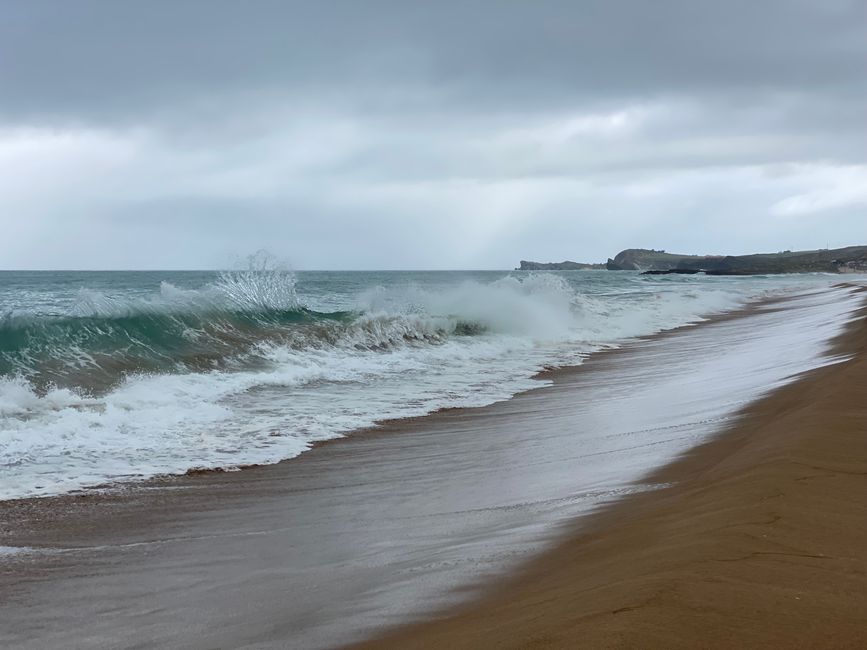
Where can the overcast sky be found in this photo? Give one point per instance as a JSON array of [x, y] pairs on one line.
[[437, 134]]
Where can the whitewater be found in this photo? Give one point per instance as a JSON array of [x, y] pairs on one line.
[[112, 377]]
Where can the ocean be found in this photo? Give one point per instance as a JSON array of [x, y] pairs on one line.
[[110, 377]]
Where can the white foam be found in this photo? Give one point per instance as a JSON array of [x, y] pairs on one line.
[[400, 359], [13, 550]]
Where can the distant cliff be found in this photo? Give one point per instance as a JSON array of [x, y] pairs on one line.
[[557, 266], [840, 260], [642, 259]]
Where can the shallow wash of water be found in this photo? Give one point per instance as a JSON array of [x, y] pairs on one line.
[[381, 528]]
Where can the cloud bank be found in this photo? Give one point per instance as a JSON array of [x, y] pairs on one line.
[[427, 135]]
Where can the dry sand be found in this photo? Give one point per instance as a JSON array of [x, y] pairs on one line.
[[760, 542]]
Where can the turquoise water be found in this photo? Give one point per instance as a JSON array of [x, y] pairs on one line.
[[112, 376]]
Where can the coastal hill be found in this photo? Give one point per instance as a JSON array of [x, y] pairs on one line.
[[640, 259], [852, 259]]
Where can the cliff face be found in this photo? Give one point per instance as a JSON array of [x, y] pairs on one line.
[[840, 260], [853, 266]]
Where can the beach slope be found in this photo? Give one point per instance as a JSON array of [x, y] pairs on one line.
[[760, 542]]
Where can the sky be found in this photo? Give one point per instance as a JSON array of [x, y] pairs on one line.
[[390, 134]]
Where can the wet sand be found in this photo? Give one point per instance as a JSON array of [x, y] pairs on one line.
[[365, 533], [761, 541]]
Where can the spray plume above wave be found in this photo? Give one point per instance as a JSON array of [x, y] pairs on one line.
[[234, 321], [127, 377]]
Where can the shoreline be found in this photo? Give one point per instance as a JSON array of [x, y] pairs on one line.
[[16, 513], [121, 488], [759, 539], [156, 522]]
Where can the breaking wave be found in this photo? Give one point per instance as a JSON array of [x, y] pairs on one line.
[[234, 323], [251, 368]]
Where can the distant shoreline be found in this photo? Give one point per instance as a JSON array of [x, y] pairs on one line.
[[332, 546], [852, 259]]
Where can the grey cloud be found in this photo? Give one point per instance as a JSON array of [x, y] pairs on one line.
[[84, 60]]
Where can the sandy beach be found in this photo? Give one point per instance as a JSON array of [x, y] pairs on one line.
[[532, 522], [761, 541], [420, 325]]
